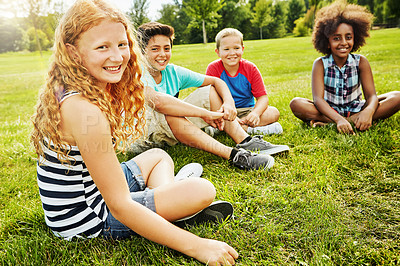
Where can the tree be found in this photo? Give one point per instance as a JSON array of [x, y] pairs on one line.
[[296, 9], [12, 36], [138, 12], [393, 12], [262, 14], [276, 28], [203, 10], [35, 9], [168, 13], [235, 14], [37, 36]]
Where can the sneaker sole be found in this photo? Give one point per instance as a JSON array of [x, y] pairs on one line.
[[270, 164], [217, 212], [275, 150], [184, 173]]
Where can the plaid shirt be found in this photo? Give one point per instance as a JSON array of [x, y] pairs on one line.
[[342, 85]]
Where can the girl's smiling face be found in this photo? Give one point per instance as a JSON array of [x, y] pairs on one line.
[[104, 51], [158, 52], [341, 42]]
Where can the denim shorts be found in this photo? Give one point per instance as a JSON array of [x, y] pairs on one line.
[[139, 193]]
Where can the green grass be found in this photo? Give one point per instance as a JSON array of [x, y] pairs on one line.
[[334, 200]]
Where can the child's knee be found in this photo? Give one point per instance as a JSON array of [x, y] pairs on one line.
[[160, 154], [274, 113], [203, 189], [294, 103], [396, 95]]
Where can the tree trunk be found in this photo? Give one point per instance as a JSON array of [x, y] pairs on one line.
[[38, 42], [261, 33], [204, 32]]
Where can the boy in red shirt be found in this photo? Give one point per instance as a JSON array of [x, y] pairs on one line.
[[245, 83]]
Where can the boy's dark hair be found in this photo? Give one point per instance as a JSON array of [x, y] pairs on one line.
[[146, 31], [330, 17]]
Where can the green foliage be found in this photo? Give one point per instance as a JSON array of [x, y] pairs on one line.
[[14, 36], [44, 42], [301, 28], [204, 12], [168, 14], [295, 11], [333, 200], [138, 12], [262, 15], [276, 28]]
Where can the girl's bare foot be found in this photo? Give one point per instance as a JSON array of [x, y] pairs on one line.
[[317, 123]]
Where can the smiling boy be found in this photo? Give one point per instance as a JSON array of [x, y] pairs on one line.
[[212, 94], [245, 83]]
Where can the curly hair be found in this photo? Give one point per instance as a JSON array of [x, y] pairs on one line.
[[122, 102], [148, 30], [330, 17]]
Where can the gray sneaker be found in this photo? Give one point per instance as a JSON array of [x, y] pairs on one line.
[[257, 144], [252, 161]]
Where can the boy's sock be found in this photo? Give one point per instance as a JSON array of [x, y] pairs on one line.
[[233, 154], [246, 140]]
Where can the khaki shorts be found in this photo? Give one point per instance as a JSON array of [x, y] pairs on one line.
[[242, 112], [157, 128]]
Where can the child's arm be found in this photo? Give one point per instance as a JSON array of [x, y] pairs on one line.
[[253, 118], [228, 104], [364, 119], [91, 131], [317, 84], [169, 105]]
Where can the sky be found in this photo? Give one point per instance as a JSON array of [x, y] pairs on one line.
[[154, 6]]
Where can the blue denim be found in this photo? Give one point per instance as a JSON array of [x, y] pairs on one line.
[[139, 193]]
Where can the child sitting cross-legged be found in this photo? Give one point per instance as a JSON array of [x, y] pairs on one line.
[[340, 77], [245, 83]]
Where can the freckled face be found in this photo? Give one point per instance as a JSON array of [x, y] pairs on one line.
[[158, 52], [104, 51], [230, 50], [342, 41]]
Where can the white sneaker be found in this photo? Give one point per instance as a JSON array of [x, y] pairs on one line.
[[189, 170], [274, 128], [211, 130]]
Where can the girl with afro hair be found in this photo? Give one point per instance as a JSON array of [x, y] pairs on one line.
[[337, 78]]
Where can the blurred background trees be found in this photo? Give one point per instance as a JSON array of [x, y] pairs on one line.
[[30, 24]]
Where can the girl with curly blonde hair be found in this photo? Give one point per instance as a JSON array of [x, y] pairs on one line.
[[337, 78], [93, 101]]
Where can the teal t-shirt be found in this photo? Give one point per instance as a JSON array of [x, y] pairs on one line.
[[174, 79]]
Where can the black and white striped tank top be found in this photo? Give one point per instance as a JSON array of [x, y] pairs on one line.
[[72, 204]]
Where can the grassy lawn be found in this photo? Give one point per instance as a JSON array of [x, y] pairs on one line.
[[334, 200]]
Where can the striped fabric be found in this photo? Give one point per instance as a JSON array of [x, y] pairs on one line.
[[72, 204], [342, 85]]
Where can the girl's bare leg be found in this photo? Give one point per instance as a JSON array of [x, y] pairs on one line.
[[305, 110], [181, 199], [389, 104], [173, 200]]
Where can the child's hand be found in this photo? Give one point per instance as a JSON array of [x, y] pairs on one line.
[[363, 121], [251, 119], [343, 126], [229, 111], [215, 119], [213, 252]]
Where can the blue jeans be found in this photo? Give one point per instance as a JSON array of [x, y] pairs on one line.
[[139, 193]]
